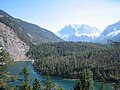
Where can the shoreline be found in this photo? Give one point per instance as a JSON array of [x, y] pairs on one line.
[[107, 83], [68, 79], [24, 60]]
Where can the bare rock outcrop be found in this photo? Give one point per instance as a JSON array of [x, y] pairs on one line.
[[10, 41]]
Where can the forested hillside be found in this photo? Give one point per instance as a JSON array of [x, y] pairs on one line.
[[68, 59]]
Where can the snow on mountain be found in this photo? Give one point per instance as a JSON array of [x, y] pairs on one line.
[[77, 32], [112, 32]]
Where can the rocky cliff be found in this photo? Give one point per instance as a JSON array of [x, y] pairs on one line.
[[10, 41]]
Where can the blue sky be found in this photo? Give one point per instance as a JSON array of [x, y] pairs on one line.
[[55, 14]]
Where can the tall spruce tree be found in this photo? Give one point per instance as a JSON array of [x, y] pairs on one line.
[[86, 81], [36, 84], [5, 77], [25, 84]]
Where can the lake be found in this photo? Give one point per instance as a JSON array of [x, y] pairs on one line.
[[66, 84]]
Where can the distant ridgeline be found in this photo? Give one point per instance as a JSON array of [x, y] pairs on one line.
[[86, 33], [28, 32], [68, 59], [10, 22]]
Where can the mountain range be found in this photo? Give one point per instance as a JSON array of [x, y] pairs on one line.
[[112, 32], [76, 33], [86, 33]]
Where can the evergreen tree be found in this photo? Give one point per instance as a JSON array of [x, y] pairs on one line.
[[48, 84], [5, 77], [26, 77], [102, 80], [86, 81], [77, 86], [117, 85], [36, 84]]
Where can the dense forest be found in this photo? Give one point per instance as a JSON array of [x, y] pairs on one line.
[[69, 59]]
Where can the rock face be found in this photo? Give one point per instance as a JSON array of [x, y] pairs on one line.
[[10, 41]]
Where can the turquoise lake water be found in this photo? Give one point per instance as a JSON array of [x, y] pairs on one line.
[[66, 84]]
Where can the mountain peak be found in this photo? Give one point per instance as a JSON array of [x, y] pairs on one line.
[[76, 32], [112, 32]]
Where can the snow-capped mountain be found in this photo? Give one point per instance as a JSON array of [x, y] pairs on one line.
[[112, 32], [77, 32]]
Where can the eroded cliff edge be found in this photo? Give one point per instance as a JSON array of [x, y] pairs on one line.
[[10, 41]]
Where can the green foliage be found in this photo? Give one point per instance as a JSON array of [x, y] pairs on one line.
[[68, 59], [77, 86], [5, 77], [25, 84], [86, 81], [102, 80], [36, 84], [4, 57], [48, 84], [25, 74], [117, 84]]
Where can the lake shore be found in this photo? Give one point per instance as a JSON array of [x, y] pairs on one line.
[[66, 83]]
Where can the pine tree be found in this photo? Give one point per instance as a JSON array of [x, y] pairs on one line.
[[5, 77], [102, 80], [25, 83], [48, 84], [77, 86], [86, 81], [36, 84]]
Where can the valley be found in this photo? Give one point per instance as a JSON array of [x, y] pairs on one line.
[[89, 56]]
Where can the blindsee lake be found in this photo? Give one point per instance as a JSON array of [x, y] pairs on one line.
[[66, 84]]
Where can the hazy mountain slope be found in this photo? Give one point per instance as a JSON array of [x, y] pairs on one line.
[[112, 32], [28, 32], [38, 34], [79, 33]]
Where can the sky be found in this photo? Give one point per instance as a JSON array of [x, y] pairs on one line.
[[55, 14]]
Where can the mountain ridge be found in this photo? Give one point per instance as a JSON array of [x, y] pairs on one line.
[[75, 32], [16, 38], [21, 29], [112, 32], [39, 35], [85, 33]]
